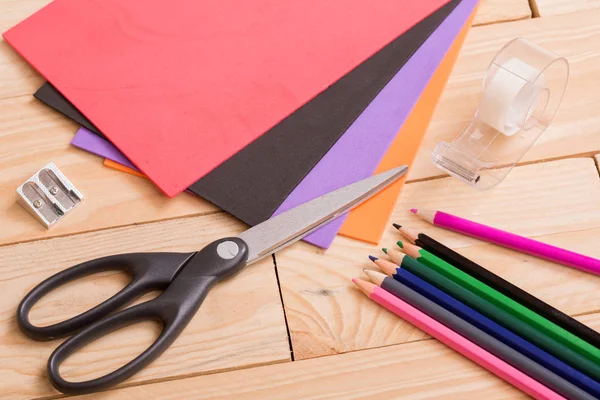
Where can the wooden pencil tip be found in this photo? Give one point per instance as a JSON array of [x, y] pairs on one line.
[[364, 286], [396, 257], [397, 226], [373, 258], [400, 244], [412, 250], [384, 250], [388, 268], [375, 276], [409, 234], [426, 215]]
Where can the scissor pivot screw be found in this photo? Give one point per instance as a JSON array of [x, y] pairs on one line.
[[227, 250]]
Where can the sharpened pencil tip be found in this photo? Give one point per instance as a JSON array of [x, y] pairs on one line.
[[384, 250], [364, 286], [397, 226], [414, 210], [373, 258], [400, 244]]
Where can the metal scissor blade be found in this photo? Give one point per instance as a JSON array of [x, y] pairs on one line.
[[286, 228]]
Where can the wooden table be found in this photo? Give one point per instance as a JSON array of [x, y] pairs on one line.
[[293, 327]]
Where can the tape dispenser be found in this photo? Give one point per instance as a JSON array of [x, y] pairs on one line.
[[522, 90]]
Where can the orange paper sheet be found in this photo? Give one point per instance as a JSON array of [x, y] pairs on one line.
[[115, 165], [368, 221]]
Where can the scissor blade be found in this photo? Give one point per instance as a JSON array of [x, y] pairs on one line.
[[286, 228]]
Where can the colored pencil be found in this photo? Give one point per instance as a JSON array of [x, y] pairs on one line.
[[456, 341], [510, 240], [478, 337], [493, 296], [488, 326], [503, 286], [497, 314]]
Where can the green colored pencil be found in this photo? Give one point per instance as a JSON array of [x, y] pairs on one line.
[[506, 303], [498, 314]]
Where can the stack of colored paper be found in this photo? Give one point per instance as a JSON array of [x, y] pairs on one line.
[[256, 106]]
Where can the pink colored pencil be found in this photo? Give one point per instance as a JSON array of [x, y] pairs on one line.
[[456, 341], [510, 240]]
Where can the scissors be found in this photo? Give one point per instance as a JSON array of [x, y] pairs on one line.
[[184, 278]]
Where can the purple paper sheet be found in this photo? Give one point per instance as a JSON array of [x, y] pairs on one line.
[[358, 152], [90, 142]]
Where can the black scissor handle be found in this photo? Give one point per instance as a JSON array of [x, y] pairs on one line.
[[149, 271], [175, 307]]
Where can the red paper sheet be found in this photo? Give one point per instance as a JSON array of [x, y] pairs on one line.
[[180, 86]]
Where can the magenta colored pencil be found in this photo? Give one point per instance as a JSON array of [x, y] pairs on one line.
[[510, 240]]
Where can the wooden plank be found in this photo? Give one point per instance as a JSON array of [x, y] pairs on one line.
[[16, 76], [546, 8], [240, 324], [555, 201], [495, 11], [14, 11], [31, 135], [575, 128], [424, 370]]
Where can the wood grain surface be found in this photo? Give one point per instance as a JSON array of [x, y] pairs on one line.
[[344, 345], [495, 11], [546, 8], [240, 324], [16, 76], [555, 201], [420, 370]]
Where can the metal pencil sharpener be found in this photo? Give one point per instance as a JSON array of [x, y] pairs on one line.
[[49, 195]]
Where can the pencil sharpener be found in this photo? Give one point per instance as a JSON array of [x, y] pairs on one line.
[[522, 90], [49, 195]]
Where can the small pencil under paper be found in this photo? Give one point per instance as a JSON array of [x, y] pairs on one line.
[[510, 240], [457, 342]]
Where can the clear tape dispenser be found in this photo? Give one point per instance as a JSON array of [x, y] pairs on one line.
[[522, 90]]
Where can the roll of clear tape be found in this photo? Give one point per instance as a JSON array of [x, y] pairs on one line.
[[511, 96], [522, 90]]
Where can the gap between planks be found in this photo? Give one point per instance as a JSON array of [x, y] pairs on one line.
[[590, 154], [107, 228], [542, 200], [535, 12], [593, 155], [429, 370]]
